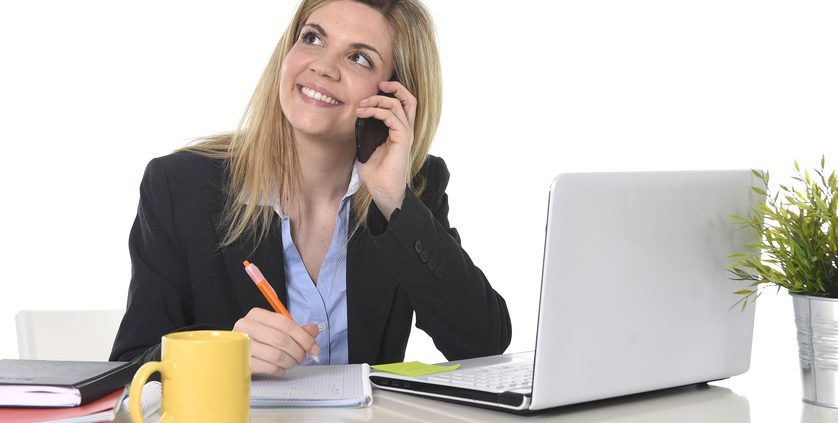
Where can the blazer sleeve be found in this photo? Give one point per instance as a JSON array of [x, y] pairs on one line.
[[159, 295], [454, 302]]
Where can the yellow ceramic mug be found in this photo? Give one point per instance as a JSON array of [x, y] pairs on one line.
[[205, 376]]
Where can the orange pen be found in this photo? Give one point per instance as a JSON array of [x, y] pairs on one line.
[[269, 294], [265, 288]]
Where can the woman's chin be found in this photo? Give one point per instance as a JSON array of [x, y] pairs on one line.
[[321, 133]]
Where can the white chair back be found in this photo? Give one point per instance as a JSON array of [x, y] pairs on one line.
[[85, 335]]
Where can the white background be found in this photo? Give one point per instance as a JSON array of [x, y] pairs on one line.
[[92, 90]]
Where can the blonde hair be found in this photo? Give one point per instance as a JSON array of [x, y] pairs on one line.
[[261, 158]]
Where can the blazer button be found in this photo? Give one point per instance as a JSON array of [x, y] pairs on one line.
[[440, 272], [418, 247], [425, 256], [433, 264]]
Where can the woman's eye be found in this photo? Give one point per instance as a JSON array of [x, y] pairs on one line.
[[361, 59], [311, 38]]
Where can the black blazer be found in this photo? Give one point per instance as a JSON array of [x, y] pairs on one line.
[[181, 281]]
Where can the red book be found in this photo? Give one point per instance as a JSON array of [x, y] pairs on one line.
[[102, 409]]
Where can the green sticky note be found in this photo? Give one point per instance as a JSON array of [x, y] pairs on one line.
[[414, 368]]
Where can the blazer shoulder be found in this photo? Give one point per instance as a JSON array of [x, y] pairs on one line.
[[188, 179], [187, 169], [185, 163], [435, 172]]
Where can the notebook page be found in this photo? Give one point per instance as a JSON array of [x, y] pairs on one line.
[[337, 385]]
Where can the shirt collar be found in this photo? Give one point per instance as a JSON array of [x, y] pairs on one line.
[[354, 184]]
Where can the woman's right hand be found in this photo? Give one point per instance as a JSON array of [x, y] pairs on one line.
[[277, 343]]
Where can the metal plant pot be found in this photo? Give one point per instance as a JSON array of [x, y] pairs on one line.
[[817, 339]]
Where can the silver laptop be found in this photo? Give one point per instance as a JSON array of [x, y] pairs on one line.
[[635, 295]]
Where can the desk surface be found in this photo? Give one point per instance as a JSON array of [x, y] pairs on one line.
[[769, 392], [709, 403]]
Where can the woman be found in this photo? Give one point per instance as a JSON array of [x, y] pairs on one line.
[[352, 249]]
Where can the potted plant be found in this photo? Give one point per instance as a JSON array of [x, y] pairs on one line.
[[797, 229]]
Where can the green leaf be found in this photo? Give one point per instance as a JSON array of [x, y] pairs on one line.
[[821, 204]]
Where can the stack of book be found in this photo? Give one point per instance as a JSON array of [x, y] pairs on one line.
[[63, 391]]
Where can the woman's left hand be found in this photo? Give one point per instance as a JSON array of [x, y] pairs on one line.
[[386, 170]]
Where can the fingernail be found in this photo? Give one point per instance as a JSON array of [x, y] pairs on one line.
[[315, 350]]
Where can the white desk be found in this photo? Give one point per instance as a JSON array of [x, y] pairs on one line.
[[711, 403], [769, 392]]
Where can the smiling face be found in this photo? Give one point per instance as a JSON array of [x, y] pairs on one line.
[[343, 51]]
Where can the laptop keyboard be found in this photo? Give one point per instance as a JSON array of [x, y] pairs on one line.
[[498, 378]]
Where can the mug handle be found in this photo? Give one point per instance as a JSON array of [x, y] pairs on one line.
[[135, 393]]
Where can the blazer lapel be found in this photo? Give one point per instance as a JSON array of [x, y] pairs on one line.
[[268, 256]]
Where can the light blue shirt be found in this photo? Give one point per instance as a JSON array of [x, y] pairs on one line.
[[324, 303]]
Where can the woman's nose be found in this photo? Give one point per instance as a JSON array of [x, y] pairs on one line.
[[326, 67]]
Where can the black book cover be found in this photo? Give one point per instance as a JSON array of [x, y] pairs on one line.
[[92, 379]]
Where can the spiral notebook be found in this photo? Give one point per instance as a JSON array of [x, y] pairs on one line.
[[345, 385]]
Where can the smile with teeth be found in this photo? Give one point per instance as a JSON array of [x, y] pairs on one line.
[[308, 92]]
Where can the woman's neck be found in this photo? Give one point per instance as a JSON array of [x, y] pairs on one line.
[[325, 169]]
